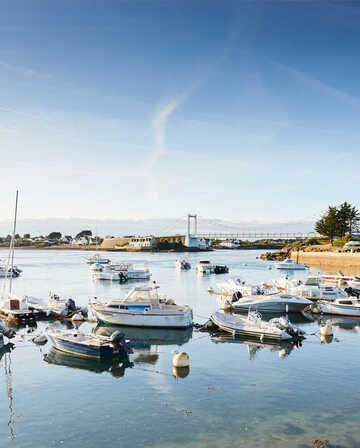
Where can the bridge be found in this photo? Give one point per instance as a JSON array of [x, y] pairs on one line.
[[257, 235]]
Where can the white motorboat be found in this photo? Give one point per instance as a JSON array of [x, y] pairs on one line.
[[142, 307], [205, 267], [128, 270], [278, 302], [254, 326], [106, 273], [98, 259], [289, 264], [232, 286], [343, 307], [183, 264], [9, 272], [311, 289]]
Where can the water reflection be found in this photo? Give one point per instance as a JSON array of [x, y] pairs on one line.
[[115, 366], [254, 347]]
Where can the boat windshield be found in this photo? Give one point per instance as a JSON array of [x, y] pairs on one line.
[[142, 295], [204, 262]]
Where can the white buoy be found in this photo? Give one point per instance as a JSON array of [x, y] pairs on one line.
[[326, 330], [78, 317], [40, 339], [181, 359]]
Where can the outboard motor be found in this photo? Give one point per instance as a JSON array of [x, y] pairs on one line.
[[122, 277], [118, 341], [236, 296], [352, 292], [70, 305]]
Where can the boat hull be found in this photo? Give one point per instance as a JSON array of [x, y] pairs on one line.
[[277, 306], [86, 351], [143, 318], [236, 330], [341, 310]]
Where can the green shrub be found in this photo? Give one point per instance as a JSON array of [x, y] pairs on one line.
[[311, 241], [339, 243]]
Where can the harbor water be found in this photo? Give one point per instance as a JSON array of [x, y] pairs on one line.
[[237, 393]]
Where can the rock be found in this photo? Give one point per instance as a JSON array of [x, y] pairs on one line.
[[320, 444]]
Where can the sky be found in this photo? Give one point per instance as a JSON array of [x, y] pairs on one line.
[[127, 109]]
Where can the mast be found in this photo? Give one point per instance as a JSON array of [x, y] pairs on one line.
[[10, 260], [13, 241]]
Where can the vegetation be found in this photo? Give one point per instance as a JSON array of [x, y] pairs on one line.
[[54, 236], [83, 233], [164, 244], [339, 243], [339, 221]]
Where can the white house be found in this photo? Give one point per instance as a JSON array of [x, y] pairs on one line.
[[81, 241], [141, 241], [230, 244]]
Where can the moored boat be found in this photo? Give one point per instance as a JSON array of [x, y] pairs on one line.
[[97, 258], [142, 307], [343, 307], [289, 264], [254, 326], [278, 302], [183, 264], [89, 345]]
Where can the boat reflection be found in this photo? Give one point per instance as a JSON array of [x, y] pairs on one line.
[[254, 347], [351, 324], [145, 341], [115, 366]]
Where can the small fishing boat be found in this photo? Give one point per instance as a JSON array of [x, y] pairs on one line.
[[89, 345], [289, 265], [142, 307], [97, 258], [311, 289], [278, 302], [183, 264], [253, 326], [354, 283], [343, 307], [55, 307]]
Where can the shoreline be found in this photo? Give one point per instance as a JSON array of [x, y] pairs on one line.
[[332, 262]]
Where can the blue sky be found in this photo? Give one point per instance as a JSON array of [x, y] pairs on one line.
[[240, 110]]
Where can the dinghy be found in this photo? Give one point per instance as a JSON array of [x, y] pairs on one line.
[[183, 264], [253, 326]]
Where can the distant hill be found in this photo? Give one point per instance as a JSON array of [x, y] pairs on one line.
[[166, 226]]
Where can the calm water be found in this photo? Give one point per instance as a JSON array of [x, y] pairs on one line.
[[236, 394]]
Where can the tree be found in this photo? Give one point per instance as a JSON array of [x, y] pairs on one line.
[[27, 236], [328, 224], [83, 233], [348, 217], [54, 236]]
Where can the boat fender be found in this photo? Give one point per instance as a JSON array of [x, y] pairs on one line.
[[181, 359], [326, 330]]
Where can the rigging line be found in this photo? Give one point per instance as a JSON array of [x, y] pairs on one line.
[[14, 230]]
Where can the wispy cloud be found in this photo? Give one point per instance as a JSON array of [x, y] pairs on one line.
[[25, 71], [159, 128], [318, 85]]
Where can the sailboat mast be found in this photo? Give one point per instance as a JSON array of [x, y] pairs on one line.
[[13, 241]]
